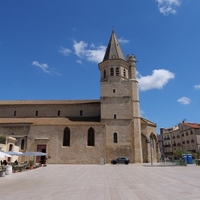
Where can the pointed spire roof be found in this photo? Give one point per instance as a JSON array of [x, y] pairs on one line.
[[113, 50]]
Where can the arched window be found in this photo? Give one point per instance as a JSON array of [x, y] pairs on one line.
[[90, 139], [66, 137], [115, 137], [111, 71], [115, 116], [58, 112], [36, 113], [22, 144], [104, 73], [124, 72], [117, 71]]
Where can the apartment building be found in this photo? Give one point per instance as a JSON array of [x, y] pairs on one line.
[[185, 136]]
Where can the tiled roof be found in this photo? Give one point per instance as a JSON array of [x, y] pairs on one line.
[[145, 121], [48, 121], [47, 102], [192, 125]]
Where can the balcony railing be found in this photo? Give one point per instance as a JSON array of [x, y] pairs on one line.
[[167, 145]]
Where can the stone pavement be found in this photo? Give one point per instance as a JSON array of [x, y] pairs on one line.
[[103, 182]]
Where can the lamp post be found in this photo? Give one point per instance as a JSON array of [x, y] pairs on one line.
[[151, 150]]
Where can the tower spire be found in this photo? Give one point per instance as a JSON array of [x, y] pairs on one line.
[[113, 50]]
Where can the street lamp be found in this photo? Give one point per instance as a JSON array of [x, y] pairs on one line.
[[151, 150], [150, 141]]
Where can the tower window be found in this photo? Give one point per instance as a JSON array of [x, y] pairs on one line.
[[36, 113], [66, 137], [58, 112], [115, 139], [81, 113], [115, 116], [15, 113], [113, 90], [104, 73], [90, 139], [124, 72], [111, 71], [117, 71]]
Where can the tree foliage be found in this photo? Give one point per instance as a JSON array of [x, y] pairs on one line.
[[178, 153], [2, 139]]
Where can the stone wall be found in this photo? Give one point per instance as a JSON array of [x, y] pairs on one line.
[[78, 152], [89, 109]]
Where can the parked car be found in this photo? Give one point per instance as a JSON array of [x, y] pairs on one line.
[[120, 160]]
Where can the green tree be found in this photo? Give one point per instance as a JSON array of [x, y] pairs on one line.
[[2, 139], [194, 155], [178, 153]]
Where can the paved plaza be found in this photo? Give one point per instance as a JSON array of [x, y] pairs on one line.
[[103, 182]]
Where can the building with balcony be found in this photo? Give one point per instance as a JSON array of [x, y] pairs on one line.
[[184, 136]]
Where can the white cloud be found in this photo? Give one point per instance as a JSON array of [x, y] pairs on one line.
[[79, 61], [157, 80], [184, 100], [65, 51], [141, 112], [167, 7], [123, 41], [45, 68], [92, 54], [197, 87], [79, 48]]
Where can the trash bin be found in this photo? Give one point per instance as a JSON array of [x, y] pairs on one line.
[[189, 158], [8, 169], [101, 161]]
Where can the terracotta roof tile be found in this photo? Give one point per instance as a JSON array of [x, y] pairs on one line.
[[50, 102], [192, 125], [46, 121]]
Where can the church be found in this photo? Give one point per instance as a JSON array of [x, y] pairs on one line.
[[87, 131]]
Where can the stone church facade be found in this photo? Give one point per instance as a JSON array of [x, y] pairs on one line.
[[87, 131]]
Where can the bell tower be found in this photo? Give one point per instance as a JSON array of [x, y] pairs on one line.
[[120, 110]]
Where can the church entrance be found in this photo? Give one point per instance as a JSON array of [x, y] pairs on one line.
[[41, 148]]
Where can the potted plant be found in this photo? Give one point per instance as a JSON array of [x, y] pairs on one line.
[[31, 164], [16, 168], [2, 170]]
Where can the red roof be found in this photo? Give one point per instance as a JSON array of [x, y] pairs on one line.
[[192, 125]]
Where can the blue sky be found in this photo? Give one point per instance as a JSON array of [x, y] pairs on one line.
[[50, 50]]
